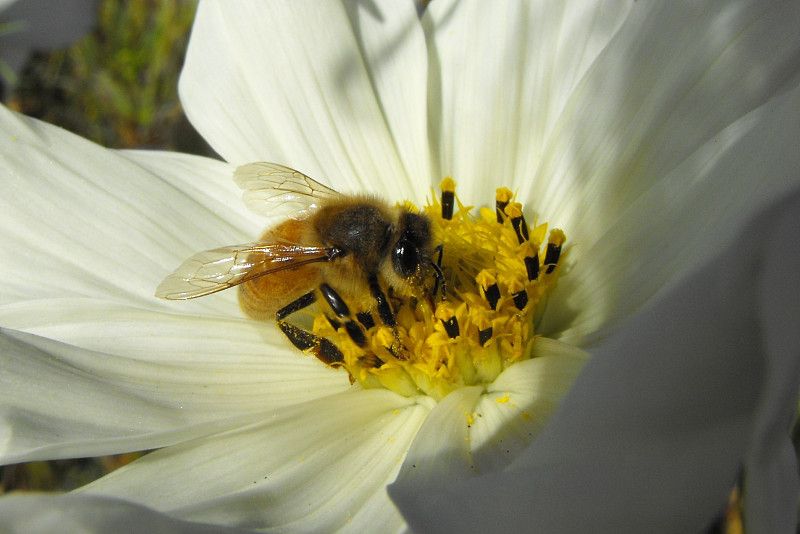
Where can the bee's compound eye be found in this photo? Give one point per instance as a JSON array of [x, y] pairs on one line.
[[406, 258]]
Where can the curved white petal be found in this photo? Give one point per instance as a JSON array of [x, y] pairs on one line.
[[207, 182], [517, 406], [680, 223], [79, 220], [630, 125], [771, 482], [317, 467], [477, 430], [680, 130], [63, 401], [501, 76], [36, 513], [670, 406], [673, 77], [336, 91]]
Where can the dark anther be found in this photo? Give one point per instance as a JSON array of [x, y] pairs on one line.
[[520, 299], [365, 318], [532, 266], [448, 198], [492, 294], [500, 209], [451, 327], [333, 299], [484, 336], [520, 228], [551, 256]]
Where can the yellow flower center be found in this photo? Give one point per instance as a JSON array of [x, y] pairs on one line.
[[497, 273]]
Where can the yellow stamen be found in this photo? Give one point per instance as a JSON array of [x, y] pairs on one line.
[[498, 272]]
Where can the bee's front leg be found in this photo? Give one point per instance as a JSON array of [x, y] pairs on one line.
[[387, 317]]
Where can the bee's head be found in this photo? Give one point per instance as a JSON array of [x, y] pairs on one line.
[[411, 255]]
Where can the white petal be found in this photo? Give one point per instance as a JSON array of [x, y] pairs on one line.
[[62, 401], [653, 435], [672, 78], [207, 182], [317, 467], [771, 481], [680, 223], [501, 76], [477, 431], [442, 445], [80, 220], [336, 92], [681, 129], [518, 405], [27, 513]]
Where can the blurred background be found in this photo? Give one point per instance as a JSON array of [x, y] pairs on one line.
[[104, 69]]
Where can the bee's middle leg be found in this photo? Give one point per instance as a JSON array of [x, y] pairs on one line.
[[342, 311], [354, 329], [322, 348]]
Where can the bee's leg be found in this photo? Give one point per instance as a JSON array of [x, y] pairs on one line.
[[384, 308], [322, 348], [342, 311], [387, 317]]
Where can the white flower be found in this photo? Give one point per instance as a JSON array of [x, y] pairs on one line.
[[636, 128]]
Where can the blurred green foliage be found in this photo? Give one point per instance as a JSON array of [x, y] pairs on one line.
[[118, 85]]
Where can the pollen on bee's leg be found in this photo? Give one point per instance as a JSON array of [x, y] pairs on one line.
[[386, 339], [328, 352], [321, 347], [448, 187]]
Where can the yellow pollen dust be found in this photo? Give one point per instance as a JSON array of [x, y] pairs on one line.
[[498, 273]]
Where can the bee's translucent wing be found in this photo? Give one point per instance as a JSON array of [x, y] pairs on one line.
[[273, 190], [214, 270]]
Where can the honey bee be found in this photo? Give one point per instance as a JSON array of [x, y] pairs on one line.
[[337, 249]]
